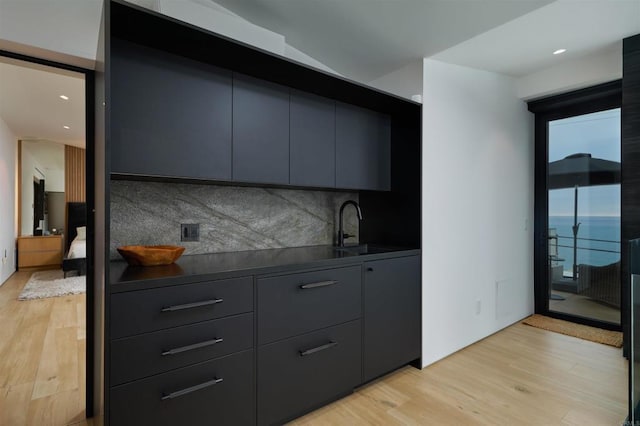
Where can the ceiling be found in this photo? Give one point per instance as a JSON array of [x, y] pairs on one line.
[[365, 39], [31, 106], [525, 44], [361, 39]]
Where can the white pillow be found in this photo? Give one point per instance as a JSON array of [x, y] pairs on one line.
[[82, 232]]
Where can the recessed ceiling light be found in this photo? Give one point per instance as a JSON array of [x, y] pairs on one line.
[[559, 51], [66, 127], [66, 98]]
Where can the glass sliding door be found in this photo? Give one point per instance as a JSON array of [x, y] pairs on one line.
[[583, 216]]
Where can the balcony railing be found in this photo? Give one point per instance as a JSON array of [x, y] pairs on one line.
[[588, 248]]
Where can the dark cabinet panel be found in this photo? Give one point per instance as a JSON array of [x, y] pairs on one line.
[[152, 353], [363, 148], [218, 392], [313, 140], [298, 374], [149, 310], [260, 131], [170, 116], [293, 304], [392, 318]]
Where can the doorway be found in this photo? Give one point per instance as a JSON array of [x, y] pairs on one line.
[[583, 176], [52, 332], [577, 206]]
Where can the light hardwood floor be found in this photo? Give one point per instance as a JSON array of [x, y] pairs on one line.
[[42, 350], [521, 375]]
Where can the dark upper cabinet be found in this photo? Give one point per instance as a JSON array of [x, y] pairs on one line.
[[392, 318], [176, 117], [170, 116], [260, 131], [363, 148], [313, 140]]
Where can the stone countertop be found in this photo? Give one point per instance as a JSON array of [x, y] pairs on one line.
[[204, 267]]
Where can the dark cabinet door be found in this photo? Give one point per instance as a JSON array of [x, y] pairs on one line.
[[260, 131], [363, 148], [293, 304], [392, 319], [170, 116], [215, 392], [143, 311], [313, 140], [147, 354], [299, 374]]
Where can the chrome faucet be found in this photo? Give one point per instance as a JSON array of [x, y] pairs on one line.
[[341, 234]]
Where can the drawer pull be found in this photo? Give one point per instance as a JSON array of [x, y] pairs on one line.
[[191, 389], [191, 305], [191, 347], [318, 284], [318, 349]]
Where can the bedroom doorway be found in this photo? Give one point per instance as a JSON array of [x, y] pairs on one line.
[[47, 304]]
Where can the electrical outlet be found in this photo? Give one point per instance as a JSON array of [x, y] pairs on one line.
[[190, 232], [478, 306]]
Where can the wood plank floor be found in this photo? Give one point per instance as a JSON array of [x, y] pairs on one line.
[[42, 364], [521, 375]]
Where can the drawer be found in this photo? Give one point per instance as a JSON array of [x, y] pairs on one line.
[[40, 244], [289, 305], [298, 374], [157, 309], [152, 353], [39, 258], [216, 392]]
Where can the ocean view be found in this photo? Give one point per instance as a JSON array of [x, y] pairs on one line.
[[591, 227]]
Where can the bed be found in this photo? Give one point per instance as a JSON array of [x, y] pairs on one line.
[[75, 258]]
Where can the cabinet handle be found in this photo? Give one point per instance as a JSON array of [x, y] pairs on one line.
[[191, 347], [191, 305], [191, 389], [318, 284], [369, 269], [318, 348]]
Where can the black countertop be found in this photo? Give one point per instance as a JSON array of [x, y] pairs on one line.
[[203, 267]]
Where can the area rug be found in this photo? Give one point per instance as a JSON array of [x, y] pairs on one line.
[[52, 284], [598, 335]]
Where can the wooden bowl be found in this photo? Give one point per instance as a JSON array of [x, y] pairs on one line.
[[150, 255]]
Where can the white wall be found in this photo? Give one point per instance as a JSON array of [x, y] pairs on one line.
[[477, 207], [54, 180], [579, 73], [64, 30], [405, 81], [8, 222]]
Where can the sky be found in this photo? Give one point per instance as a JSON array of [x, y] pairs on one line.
[[599, 135]]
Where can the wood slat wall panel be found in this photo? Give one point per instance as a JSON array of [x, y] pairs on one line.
[[74, 174]]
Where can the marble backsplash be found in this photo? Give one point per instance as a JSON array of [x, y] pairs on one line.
[[231, 218]]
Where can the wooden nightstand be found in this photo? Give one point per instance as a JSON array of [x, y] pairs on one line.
[[39, 252]]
